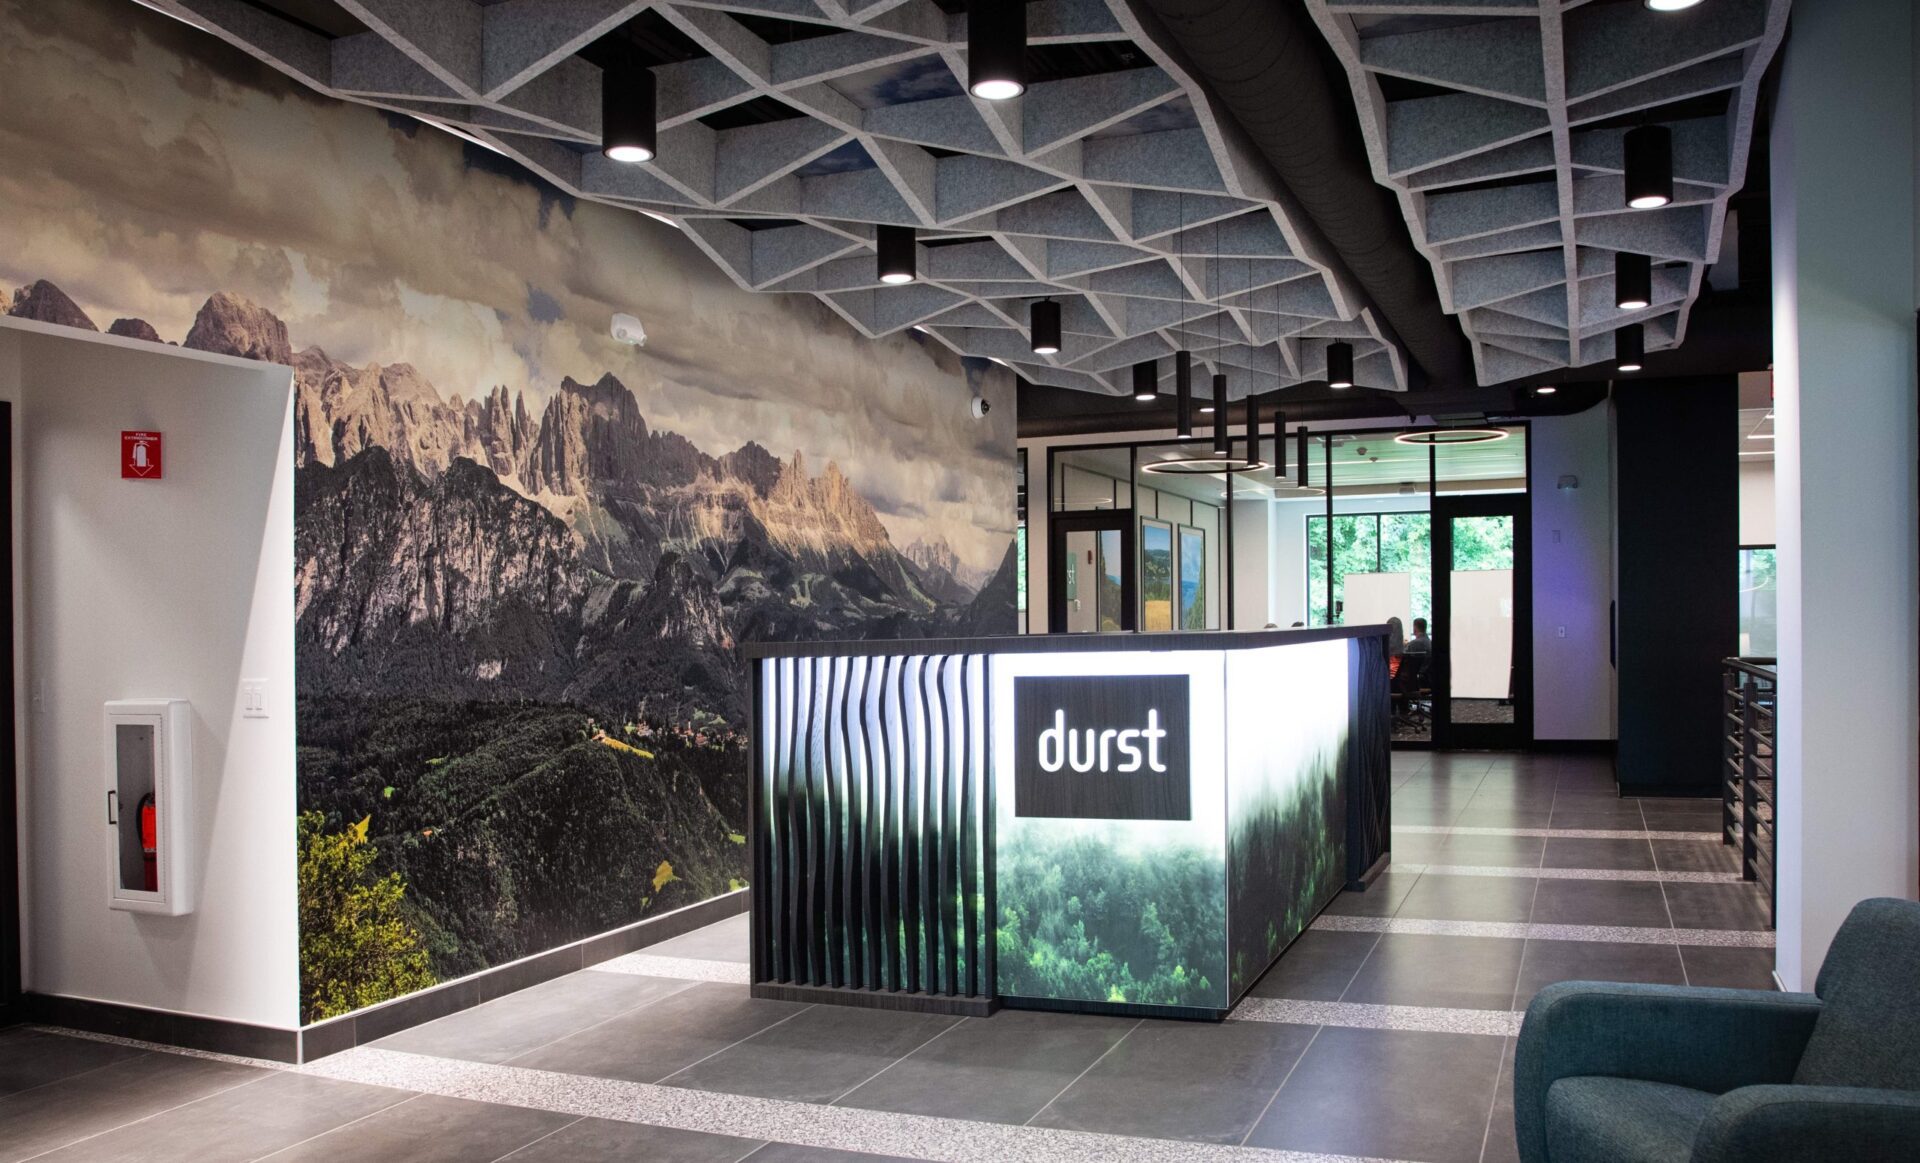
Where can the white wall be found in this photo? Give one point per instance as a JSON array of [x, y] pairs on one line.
[[1253, 579], [1844, 219], [173, 588], [1756, 502], [1573, 677]]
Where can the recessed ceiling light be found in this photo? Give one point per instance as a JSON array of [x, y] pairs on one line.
[[1545, 390], [1671, 5]]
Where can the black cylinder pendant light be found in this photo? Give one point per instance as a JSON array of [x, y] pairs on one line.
[[1146, 381], [1222, 439], [1647, 157], [898, 261], [996, 49], [629, 129], [1629, 348], [1340, 364], [1279, 445], [1183, 394], [1043, 322], [1300, 460], [1253, 432], [1632, 281]]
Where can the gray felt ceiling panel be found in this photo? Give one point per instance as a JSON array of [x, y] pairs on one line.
[[1114, 187], [1498, 124]]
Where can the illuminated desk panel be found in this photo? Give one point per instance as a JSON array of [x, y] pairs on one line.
[[1114, 823]]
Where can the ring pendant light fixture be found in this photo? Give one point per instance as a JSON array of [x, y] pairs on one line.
[[1647, 159], [1043, 324], [1340, 364], [1431, 436], [629, 127], [996, 49], [1629, 348], [898, 261], [1632, 281]]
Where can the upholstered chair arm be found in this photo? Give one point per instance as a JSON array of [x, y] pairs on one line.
[[1714, 1040], [1765, 1124]]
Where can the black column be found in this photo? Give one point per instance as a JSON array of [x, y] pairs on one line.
[[1677, 516]]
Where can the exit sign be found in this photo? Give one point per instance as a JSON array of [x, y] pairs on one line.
[[140, 456]]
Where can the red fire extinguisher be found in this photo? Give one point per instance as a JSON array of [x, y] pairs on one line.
[[149, 841]]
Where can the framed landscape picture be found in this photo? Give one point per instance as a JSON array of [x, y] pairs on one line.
[[1193, 578], [1156, 575]]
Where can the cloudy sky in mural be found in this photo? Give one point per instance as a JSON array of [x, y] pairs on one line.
[[387, 241]]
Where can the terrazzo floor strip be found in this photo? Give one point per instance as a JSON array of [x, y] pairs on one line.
[[684, 968], [1555, 833], [1363, 1016], [1641, 874], [802, 1123], [1530, 931]]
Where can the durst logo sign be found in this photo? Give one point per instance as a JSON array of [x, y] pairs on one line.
[[1102, 748]]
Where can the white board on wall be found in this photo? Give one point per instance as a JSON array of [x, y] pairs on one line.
[[1481, 628], [1369, 599]]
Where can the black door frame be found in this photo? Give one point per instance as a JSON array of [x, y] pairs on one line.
[[1061, 524], [1448, 735], [10, 967]]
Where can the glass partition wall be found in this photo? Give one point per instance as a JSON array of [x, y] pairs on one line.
[[1423, 528]]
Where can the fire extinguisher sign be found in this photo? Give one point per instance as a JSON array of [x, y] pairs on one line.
[[140, 456]]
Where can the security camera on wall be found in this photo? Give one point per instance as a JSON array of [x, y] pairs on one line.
[[627, 330], [979, 407]]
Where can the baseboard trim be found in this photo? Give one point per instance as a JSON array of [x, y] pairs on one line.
[[188, 1031], [390, 1017], [219, 1036]]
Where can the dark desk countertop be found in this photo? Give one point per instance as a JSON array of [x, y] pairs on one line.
[[1064, 643]]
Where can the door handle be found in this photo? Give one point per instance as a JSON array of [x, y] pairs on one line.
[[113, 816]]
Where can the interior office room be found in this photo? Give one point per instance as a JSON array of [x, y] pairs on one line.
[[816, 580]]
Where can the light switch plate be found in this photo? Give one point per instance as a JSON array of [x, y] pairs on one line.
[[253, 698]]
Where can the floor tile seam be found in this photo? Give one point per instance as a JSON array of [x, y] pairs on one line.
[[1551, 833], [1620, 875], [1666, 902], [143, 1118], [543, 1138], [1284, 1079], [628, 1012], [1493, 1101], [1533, 905], [76, 1074], [939, 1034], [932, 1137], [342, 1126], [662, 1081], [1396, 1016], [1089, 1070], [153, 1048]]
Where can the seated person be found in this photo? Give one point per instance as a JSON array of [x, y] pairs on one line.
[[1419, 643]]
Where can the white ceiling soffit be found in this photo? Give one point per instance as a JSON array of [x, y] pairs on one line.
[[1498, 124], [1122, 193]]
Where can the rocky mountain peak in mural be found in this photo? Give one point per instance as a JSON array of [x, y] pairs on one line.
[[232, 325], [134, 329], [45, 303]]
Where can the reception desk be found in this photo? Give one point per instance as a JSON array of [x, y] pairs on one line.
[[1134, 823]]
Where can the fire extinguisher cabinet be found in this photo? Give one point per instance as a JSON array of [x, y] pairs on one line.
[[149, 806]]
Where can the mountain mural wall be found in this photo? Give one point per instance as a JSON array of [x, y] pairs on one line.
[[527, 556]]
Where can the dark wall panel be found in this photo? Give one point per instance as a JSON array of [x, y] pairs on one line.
[[1677, 511]]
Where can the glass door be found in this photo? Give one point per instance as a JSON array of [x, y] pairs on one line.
[[1090, 582], [1482, 634]]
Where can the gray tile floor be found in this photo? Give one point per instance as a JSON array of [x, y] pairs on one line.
[[630, 1061]]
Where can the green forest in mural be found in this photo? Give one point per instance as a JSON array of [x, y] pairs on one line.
[[1082, 918], [1286, 859]]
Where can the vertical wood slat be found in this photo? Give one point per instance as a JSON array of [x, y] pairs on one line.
[[871, 824]]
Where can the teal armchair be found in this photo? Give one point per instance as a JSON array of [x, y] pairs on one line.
[[1664, 1074]]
